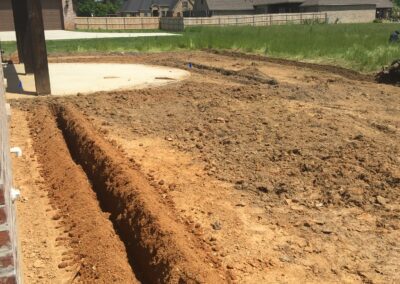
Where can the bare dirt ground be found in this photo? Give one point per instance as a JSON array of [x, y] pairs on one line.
[[268, 173]]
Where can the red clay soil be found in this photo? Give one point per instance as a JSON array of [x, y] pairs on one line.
[[290, 183], [350, 74], [98, 255], [160, 249]]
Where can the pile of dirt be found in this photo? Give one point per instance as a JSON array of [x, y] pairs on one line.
[[250, 73], [253, 72], [390, 74], [351, 74]]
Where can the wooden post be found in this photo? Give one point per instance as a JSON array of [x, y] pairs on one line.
[[39, 51], [23, 34], [19, 24]]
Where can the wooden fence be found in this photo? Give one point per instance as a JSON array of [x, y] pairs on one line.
[[258, 20], [172, 24], [179, 24], [117, 23]]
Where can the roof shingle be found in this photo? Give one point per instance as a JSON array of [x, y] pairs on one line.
[[231, 5]]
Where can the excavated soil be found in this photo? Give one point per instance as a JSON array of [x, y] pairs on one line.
[[251, 171]]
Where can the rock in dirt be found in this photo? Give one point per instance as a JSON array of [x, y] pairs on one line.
[[381, 200], [216, 225]]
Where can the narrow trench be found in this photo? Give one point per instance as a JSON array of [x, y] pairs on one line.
[[159, 249], [107, 203]]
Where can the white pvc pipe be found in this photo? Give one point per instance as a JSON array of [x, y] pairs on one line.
[[15, 194], [17, 151]]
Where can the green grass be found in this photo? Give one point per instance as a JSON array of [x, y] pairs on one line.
[[362, 47]]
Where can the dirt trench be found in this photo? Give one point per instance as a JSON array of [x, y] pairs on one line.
[[118, 227]]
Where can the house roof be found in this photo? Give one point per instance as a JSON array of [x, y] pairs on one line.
[[231, 5], [384, 4], [339, 2], [273, 2], [144, 5], [379, 3]]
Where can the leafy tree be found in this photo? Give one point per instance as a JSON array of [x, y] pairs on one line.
[[87, 8]]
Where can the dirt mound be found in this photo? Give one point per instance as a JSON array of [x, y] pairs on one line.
[[253, 72], [347, 73], [390, 74], [250, 73]]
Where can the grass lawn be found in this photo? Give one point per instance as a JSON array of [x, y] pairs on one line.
[[362, 47]]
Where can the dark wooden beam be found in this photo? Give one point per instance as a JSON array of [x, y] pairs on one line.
[[24, 40], [39, 50]]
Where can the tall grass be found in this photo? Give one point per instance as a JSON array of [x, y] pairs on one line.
[[362, 47]]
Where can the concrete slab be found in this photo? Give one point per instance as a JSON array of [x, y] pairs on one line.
[[62, 35], [84, 78]]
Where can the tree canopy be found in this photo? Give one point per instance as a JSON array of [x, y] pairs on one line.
[[87, 8]]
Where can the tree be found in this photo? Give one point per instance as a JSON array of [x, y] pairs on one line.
[[87, 8]]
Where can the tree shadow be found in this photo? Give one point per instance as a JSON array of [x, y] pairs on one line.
[[14, 85]]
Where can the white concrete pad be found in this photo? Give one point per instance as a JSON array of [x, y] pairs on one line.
[[84, 78], [62, 35]]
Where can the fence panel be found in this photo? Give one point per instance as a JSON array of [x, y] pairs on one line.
[[178, 24], [172, 24], [257, 20], [116, 23]]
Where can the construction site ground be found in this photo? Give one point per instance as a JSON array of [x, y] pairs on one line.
[[248, 171]]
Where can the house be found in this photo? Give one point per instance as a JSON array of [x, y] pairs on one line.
[[384, 9], [343, 11], [57, 15], [155, 8], [206, 8], [277, 6]]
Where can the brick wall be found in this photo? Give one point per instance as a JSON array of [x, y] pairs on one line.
[[351, 16], [346, 14], [9, 270], [68, 14]]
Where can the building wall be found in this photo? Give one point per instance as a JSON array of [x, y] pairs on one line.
[[278, 8], [53, 15], [181, 7], [200, 8], [68, 14], [346, 14], [235, 12]]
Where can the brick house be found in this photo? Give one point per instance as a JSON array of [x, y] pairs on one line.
[[346, 11], [343, 11], [207, 8], [57, 15], [155, 8]]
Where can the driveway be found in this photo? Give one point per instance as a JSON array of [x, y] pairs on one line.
[[62, 35]]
